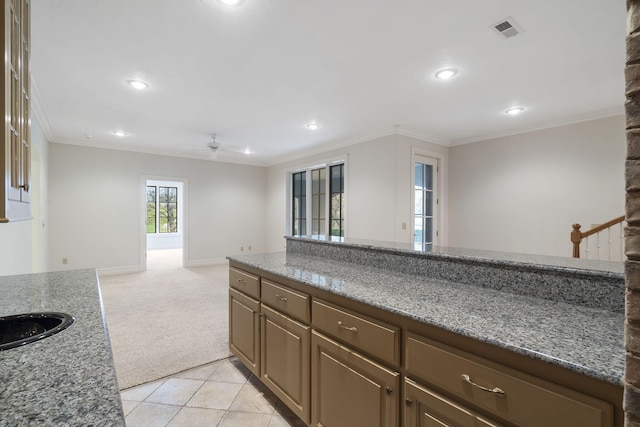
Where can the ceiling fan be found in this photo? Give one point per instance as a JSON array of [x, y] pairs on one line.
[[214, 147]]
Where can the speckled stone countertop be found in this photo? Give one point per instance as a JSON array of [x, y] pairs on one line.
[[66, 379], [584, 339]]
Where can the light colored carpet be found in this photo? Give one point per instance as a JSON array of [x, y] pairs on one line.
[[167, 319]]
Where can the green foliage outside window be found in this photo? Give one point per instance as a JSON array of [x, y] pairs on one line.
[[162, 209]]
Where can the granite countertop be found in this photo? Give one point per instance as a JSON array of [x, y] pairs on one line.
[[66, 379], [582, 339], [520, 260]]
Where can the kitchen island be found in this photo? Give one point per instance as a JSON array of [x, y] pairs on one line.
[[556, 319], [67, 379]]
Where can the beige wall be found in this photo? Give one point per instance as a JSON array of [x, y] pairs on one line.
[[378, 189], [518, 193], [96, 207], [522, 193]]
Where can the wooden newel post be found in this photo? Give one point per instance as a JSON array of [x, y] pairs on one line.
[[576, 238]]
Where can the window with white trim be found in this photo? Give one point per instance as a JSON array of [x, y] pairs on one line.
[[162, 209], [319, 191]]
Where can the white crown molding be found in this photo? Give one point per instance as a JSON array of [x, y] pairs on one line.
[[602, 114], [39, 113], [336, 145], [323, 148], [412, 133], [245, 161]]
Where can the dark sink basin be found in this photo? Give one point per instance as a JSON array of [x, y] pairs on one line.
[[21, 329]]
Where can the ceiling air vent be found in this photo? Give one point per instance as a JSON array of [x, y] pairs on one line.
[[507, 28]]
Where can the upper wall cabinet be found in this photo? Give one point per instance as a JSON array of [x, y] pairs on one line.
[[15, 152]]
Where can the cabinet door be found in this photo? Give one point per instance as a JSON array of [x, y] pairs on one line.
[[244, 329], [16, 149], [349, 390], [425, 408], [285, 360]]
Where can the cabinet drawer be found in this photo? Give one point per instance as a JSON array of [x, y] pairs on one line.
[[286, 300], [514, 396], [426, 408], [372, 336], [244, 282]]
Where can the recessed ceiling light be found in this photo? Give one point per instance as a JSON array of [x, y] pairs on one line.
[[446, 73], [247, 151], [120, 133], [231, 2], [313, 126], [138, 84], [513, 111]]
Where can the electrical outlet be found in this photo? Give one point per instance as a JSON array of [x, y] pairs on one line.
[[65, 260], [404, 225], [241, 248], [249, 248]]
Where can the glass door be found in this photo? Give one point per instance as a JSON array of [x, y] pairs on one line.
[[425, 197]]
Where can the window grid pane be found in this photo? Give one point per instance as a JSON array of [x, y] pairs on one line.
[[424, 206], [299, 203], [151, 209], [336, 206], [318, 195], [167, 209]]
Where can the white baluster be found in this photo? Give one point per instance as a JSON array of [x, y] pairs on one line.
[[609, 243], [621, 241], [586, 247], [598, 245]]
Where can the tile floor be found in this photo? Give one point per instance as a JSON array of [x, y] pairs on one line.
[[223, 394]]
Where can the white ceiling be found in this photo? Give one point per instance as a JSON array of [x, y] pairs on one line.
[[257, 73]]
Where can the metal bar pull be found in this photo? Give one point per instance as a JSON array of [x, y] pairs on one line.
[[279, 298], [494, 390], [242, 281], [348, 328]]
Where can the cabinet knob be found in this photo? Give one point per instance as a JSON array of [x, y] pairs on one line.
[[242, 281], [389, 390], [408, 401]]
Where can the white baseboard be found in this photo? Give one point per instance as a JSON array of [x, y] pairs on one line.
[[205, 262], [113, 271]]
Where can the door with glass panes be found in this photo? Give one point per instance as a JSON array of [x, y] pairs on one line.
[[425, 198]]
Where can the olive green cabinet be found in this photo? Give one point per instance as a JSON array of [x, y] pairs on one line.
[[338, 363]]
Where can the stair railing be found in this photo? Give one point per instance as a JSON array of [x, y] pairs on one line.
[[578, 236]]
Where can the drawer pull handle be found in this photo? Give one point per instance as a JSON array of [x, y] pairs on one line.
[[242, 281], [348, 328], [494, 390], [279, 298]]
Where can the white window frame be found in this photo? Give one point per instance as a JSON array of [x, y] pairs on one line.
[[326, 163]]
